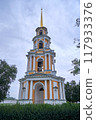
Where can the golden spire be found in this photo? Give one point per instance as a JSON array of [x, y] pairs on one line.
[[41, 23]]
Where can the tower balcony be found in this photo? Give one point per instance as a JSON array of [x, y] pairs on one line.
[[42, 72]]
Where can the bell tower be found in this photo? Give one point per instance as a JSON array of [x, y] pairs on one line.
[[40, 84], [41, 58]]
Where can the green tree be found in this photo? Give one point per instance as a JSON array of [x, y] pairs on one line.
[[7, 75], [76, 69], [76, 61], [68, 91], [72, 91]]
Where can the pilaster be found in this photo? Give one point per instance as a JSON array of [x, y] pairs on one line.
[[34, 62], [30, 62], [60, 91], [27, 90], [27, 63], [24, 92], [20, 90], [50, 82], [45, 89], [45, 61], [53, 64], [44, 42], [49, 63], [31, 89], [63, 91]]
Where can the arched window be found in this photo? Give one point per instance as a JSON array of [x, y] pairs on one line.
[[40, 44], [40, 65], [41, 32]]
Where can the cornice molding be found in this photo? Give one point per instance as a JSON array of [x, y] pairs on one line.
[[42, 75], [40, 37]]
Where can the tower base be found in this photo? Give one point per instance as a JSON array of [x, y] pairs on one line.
[[46, 101]]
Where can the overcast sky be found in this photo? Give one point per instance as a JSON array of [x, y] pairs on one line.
[[18, 21]]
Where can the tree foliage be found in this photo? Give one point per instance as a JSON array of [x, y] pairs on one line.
[[76, 62], [72, 91], [76, 69], [7, 75], [77, 22], [77, 40]]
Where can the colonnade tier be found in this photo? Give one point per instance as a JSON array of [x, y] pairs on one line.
[[27, 87], [45, 42], [48, 62]]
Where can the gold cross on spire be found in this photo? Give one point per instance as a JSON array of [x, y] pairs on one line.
[[41, 23]]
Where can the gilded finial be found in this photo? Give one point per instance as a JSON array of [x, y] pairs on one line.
[[41, 23]]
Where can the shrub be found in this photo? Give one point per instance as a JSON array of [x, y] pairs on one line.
[[66, 111]]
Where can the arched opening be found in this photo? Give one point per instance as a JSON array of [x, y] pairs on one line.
[[39, 93], [40, 65], [40, 45], [40, 33]]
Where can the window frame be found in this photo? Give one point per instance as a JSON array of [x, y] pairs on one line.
[[40, 60], [41, 46], [41, 32]]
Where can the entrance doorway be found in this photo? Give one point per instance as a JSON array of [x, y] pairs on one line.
[[39, 93]]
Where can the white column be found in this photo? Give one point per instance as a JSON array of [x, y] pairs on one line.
[[49, 63], [36, 43], [60, 91], [27, 62], [30, 62], [44, 42], [34, 62], [45, 62], [63, 89], [20, 90], [26, 90], [48, 45], [31, 89], [45, 89], [50, 90], [63, 92], [53, 64], [33, 45]]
